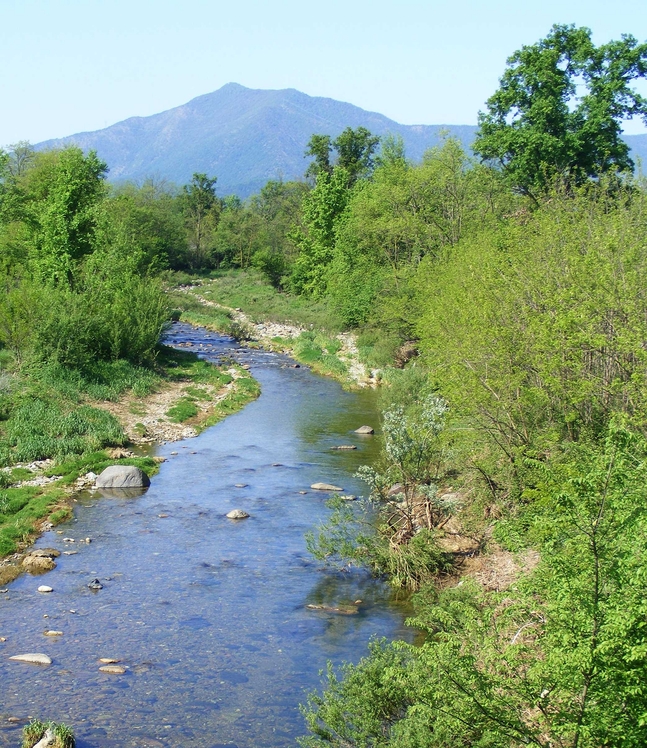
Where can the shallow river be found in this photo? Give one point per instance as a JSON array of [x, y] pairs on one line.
[[208, 614]]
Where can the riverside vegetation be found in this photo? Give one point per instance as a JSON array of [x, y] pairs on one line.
[[503, 298]]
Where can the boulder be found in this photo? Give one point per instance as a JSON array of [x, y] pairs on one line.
[[365, 430], [38, 564], [45, 553], [123, 476], [34, 658], [237, 514], [325, 487]]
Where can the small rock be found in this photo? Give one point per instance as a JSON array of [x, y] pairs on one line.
[[162, 516], [114, 669], [240, 485], [365, 430], [52, 633], [34, 658], [69, 540], [358, 602], [14, 720], [95, 584], [303, 493], [325, 487], [348, 497], [88, 540], [296, 366], [345, 446], [4, 592], [108, 660], [70, 553], [237, 514], [159, 459], [277, 464], [45, 588], [3, 638], [173, 453]]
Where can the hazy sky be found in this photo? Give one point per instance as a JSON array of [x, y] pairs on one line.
[[74, 65]]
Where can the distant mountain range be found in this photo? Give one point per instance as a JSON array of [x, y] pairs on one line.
[[246, 136]]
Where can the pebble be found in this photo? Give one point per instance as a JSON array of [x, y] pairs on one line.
[[52, 633], [237, 514], [68, 540], [162, 516], [277, 464], [3, 638], [345, 446], [45, 588], [95, 584], [365, 430], [114, 669], [14, 720], [303, 493], [34, 658], [70, 553], [348, 497], [108, 660], [325, 487], [173, 453], [240, 485]]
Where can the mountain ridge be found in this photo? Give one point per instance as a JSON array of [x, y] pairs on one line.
[[246, 136]]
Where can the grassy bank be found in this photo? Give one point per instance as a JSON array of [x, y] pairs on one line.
[[59, 424]]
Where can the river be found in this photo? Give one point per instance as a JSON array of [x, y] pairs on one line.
[[208, 615]]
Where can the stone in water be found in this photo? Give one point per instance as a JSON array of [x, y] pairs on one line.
[[325, 487], [365, 430], [237, 514], [45, 588], [114, 669], [34, 658]]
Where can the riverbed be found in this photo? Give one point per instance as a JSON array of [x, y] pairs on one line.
[[208, 615]]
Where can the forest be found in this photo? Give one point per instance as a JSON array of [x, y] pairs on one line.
[[503, 297]]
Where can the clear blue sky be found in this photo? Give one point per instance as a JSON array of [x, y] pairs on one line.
[[74, 65]]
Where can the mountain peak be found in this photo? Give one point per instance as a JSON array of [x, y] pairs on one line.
[[244, 136]]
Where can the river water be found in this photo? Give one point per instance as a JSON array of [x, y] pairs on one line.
[[209, 615]]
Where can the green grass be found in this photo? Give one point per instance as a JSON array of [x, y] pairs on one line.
[[250, 290], [20, 508], [183, 410], [318, 351]]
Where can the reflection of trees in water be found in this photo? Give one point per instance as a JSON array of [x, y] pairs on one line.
[[341, 590]]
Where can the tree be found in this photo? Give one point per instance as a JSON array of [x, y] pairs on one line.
[[355, 149], [319, 146], [63, 197], [201, 210], [557, 115]]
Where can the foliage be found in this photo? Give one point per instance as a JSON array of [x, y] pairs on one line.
[[558, 112], [557, 660]]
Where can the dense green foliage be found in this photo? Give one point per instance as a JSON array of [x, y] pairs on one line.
[[541, 127]]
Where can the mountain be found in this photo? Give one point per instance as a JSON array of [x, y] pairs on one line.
[[244, 136]]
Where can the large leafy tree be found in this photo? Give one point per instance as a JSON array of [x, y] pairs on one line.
[[557, 115]]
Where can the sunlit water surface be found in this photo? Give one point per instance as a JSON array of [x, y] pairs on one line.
[[208, 614]]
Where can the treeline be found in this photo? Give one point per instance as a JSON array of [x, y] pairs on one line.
[[521, 281]]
